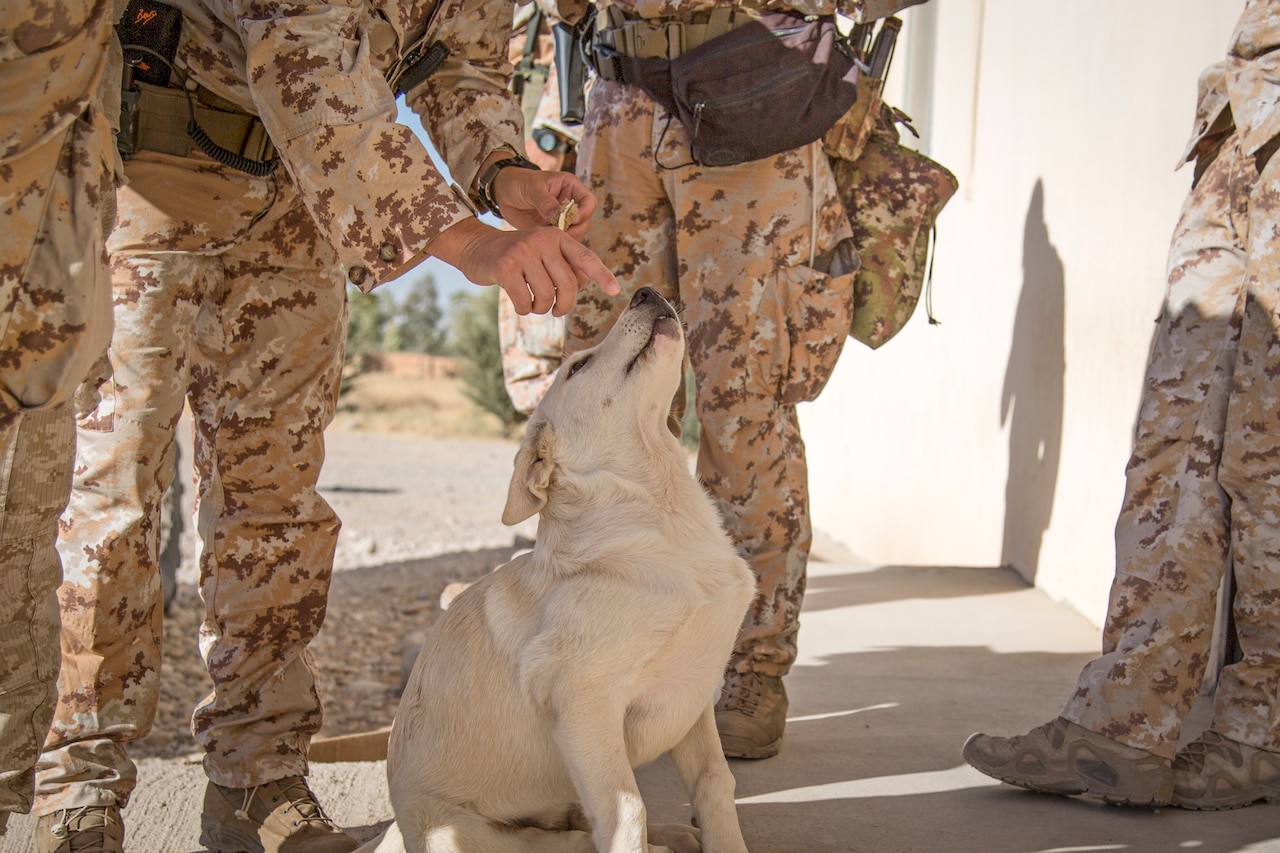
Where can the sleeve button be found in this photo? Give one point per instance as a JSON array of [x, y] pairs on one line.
[[387, 252], [356, 275]]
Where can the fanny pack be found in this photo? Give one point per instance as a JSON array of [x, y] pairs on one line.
[[775, 82]]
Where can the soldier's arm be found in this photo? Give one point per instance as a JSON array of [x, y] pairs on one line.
[[466, 105], [368, 181]]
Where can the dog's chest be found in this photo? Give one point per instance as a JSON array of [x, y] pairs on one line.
[[679, 680]]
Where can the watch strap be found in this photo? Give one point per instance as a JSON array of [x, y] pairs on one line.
[[484, 184]]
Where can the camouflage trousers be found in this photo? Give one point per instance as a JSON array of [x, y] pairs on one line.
[[1203, 485], [734, 248], [531, 348], [56, 193], [227, 299]]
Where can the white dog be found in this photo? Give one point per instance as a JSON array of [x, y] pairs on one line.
[[548, 681]]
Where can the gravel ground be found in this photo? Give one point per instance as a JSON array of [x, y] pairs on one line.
[[418, 513]]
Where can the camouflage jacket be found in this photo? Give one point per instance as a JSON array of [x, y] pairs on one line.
[[573, 10], [68, 41], [1247, 82], [316, 74]]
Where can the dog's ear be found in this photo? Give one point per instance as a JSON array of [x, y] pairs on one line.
[[528, 491]]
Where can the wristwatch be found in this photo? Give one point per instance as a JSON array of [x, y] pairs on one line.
[[484, 184]]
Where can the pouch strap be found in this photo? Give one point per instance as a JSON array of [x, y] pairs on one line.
[[163, 120]]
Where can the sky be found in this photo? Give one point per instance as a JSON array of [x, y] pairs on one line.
[[448, 280]]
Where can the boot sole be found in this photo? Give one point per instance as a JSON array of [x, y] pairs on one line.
[[1229, 805], [218, 838], [735, 748], [1079, 784], [1067, 790]]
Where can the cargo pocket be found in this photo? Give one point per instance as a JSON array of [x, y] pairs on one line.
[[818, 308]]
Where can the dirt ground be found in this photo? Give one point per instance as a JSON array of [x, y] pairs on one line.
[[418, 477]]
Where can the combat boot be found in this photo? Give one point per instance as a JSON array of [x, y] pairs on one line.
[[88, 829], [1214, 772], [751, 714], [1061, 757], [278, 817]]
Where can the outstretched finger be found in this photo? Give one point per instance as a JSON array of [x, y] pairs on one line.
[[583, 260]]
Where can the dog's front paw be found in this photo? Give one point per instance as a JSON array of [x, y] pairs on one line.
[[674, 837]]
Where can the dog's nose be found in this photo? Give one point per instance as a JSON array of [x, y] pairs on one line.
[[643, 295]]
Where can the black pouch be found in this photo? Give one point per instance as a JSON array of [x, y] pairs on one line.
[[773, 84], [149, 33]]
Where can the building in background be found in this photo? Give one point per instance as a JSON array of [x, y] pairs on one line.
[[1001, 435]]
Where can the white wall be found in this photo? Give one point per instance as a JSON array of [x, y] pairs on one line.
[[1091, 103]]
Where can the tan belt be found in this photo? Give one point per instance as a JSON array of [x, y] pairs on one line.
[[163, 117], [664, 38]]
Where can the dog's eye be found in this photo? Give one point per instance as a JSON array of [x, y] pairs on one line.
[[576, 366]]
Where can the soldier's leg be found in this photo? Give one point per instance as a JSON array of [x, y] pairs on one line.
[[633, 229], [55, 322], [1236, 762], [265, 385], [765, 330], [1118, 731], [37, 450], [265, 377], [1172, 532], [1247, 701], [110, 534], [531, 348]]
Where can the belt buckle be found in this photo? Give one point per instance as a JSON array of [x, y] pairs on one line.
[[675, 39]]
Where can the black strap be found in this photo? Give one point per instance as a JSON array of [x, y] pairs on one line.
[[420, 63], [256, 168]]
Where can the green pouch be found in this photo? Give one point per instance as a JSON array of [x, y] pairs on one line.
[[892, 195]]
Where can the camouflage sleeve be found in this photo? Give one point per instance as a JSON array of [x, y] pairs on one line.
[[368, 181], [466, 106], [50, 48], [1213, 120]]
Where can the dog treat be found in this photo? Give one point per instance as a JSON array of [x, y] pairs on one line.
[[567, 214]]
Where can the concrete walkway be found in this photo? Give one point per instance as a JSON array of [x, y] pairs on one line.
[[898, 666]]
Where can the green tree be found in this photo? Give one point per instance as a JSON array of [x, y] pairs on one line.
[[474, 342], [367, 316], [418, 324]]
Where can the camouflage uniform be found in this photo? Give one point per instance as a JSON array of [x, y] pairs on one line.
[[1201, 492], [533, 343], [230, 296], [57, 184], [736, 246]]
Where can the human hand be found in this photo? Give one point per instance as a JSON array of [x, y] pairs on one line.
[[529, 199], [541, 268]]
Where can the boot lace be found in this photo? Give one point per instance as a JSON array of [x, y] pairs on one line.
[[743, 692], [300, 801], [94, 827], [1194, 754]]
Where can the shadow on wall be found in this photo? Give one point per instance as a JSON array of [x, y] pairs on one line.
[[1031, 402]]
